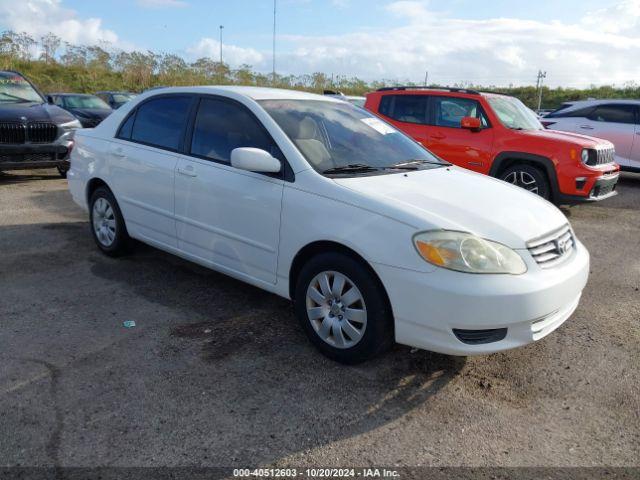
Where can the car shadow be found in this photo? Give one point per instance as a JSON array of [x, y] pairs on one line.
[[21, 176]]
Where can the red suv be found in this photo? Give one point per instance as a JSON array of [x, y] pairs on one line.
[[499, 136]]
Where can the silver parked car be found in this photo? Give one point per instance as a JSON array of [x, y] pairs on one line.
[[615, 120]]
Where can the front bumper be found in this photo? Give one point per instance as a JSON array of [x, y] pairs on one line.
[[17, 157], [427, 307]]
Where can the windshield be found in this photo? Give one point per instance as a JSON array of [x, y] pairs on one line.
[[15, 89], [120, 98], [514, 114], [357, 101], [334, 135], [81, 101]]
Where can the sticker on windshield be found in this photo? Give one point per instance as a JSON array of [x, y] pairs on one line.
[[378, 125]]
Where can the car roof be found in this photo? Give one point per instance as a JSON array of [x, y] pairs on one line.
[[255, 93], [115, 91], [67, 94], [600, 101]]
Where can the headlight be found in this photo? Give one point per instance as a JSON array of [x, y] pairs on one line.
[[72, 125], [585, 156], [465, 252]]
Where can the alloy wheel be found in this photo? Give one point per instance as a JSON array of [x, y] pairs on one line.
[[523, 180]]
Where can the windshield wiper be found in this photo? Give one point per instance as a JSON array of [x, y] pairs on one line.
[[351, 168], [414, 164]]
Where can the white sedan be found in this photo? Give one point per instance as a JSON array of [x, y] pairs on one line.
[[374, 239]]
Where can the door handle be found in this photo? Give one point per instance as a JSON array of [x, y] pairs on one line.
[[586, 127], [118, 152], [438, 136], [187, 171]]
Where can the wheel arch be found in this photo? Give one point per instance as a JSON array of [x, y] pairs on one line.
[[504, 160], [91, 187], [326, 246]]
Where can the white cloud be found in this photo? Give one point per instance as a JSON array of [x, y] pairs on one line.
[[231, 54], [162, 3], [497, 51], [38, 17]]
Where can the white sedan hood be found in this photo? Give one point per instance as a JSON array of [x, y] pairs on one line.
[[456, 199]]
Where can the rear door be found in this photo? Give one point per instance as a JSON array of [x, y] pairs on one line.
[[466, 148], [408, 113], [615, 122], [143, 161]]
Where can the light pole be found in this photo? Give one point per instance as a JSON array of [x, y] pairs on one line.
[[541, 75], [221, 27], [274, 42]]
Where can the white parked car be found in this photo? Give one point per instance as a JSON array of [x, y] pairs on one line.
[[372, 237], [615, 120]]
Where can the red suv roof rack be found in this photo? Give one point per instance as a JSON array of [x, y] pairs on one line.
[[418, 87]]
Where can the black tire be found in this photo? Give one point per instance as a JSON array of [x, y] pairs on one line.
[[121, 243], [528, 177], [378, 333]]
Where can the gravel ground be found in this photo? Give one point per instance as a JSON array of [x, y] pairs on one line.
[[219, 373]]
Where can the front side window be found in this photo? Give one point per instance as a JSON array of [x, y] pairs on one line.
[[614, 114], [513, 113], [82, 101], [16, 89], [337, 135], [221, 126], [449, 111], [160, 122]]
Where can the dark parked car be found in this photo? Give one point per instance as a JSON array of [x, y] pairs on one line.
[[89, 109], [33, 133], [115, 99]]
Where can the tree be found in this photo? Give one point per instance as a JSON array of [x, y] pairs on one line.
[[50, 44]]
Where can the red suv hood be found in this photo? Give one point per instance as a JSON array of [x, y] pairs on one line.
[[574, 138]]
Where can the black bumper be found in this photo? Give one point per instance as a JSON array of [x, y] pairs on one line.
[[17, 157], [603, 188]]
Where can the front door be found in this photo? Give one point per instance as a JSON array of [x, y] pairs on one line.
[[227, 217], [616, 123], [460, 146]]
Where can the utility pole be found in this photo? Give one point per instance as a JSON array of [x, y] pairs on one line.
[[541, 76], [426, 78], [274, 42], [221, 27]]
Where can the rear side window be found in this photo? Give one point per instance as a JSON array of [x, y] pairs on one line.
[[160, 122], [221, 126], [562, 112], [449, 111], [614, 114], [405, 108]]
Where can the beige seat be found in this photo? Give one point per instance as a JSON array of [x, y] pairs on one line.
[[309, 143]]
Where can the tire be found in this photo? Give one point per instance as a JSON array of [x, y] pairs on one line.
[[63, 173], [345, 330], [528, 177], [107, 223]]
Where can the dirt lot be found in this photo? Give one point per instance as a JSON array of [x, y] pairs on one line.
[[219, 373]]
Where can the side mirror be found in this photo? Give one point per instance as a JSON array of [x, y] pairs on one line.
[[470, 123], [254, 160], [49, 99]]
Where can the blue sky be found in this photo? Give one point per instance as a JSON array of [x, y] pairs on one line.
[[499, 42]]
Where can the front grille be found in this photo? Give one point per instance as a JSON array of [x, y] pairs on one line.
[[601, 156], [479, 337], [28, 157], [552, 248], [41, 132], [35, 132], [12, 133]]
